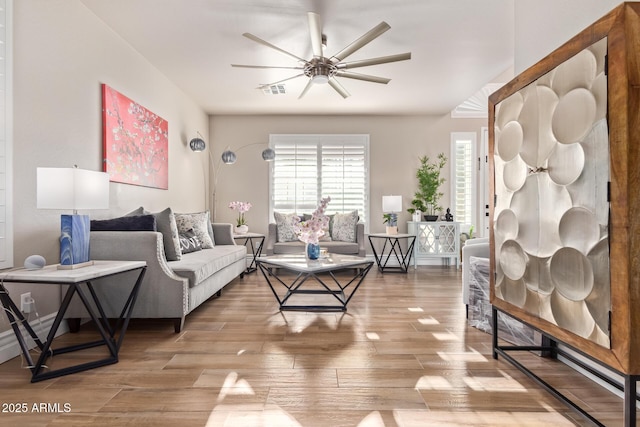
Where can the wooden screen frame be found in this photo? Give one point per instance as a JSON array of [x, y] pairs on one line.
[[621, 26]]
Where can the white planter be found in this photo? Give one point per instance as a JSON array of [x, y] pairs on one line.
[[242, 229]]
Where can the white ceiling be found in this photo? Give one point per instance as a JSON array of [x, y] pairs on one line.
[[457, 47]]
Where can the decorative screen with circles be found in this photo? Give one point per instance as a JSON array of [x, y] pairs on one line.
[[551, 158]]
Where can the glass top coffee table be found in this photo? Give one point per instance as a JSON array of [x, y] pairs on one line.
[[326, 284]]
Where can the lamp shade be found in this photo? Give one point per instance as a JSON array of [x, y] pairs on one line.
[[72, 188], [229, 157], [268, 154], [197, 144], [391, 203]]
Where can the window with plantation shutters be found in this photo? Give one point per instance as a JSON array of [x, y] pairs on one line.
[[463, 176], [309, 167]]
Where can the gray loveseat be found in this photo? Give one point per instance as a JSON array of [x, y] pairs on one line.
[[170, 289], [273, 247]]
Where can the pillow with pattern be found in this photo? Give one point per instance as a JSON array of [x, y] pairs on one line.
[[284, 227], [166, 223], [189, 242], [199, 222], [344, 227]]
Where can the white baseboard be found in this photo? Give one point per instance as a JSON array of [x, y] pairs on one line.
[[9, 346]]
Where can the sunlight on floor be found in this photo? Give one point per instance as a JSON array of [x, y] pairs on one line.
[[373, 336], [415, 309], [270, 417], [410, 418], [445, 336], [503, 383], [477, 383], [428, 321], [232, 386], [427, 382], [374, 419], [470, 356]]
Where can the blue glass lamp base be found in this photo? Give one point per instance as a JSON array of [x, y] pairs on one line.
[[74, 239]]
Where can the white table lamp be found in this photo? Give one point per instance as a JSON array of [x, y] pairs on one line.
[[392, 205], [73, 189]]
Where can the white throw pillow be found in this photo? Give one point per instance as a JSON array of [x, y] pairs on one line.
[[344, 227], [199, 222], [284, 227]]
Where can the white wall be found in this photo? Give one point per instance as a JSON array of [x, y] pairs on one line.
[[62, 54], [542, 26], [396, 143]]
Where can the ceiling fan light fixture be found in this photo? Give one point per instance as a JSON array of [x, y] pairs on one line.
[[320, 79], [320, 72]]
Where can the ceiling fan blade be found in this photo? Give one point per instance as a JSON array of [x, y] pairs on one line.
[[364, 77], [338, 87], [266, 43], [266, 66], [371, 35], [374, 61], [306, 88], [315, 29], [280, 81]]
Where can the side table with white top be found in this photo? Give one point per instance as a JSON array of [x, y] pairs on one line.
[[254, 243], [74, 279]]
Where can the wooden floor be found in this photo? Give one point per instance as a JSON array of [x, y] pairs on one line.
[[403, 355]]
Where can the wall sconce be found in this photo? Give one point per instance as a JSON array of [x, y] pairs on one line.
[[72, 188], [228, 157]]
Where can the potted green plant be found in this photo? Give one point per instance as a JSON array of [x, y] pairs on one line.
[[427, 197], [391, 219]]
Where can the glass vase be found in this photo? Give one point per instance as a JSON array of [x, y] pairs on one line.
[[313, 251]]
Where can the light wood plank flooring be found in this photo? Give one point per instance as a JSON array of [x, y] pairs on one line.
[[402, 356]]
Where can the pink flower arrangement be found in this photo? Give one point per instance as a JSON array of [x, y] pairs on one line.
[[312, 230], [241, 207]]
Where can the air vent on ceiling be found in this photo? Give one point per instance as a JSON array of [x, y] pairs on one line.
[[274, 90]]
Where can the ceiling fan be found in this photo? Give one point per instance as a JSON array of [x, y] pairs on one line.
[[322, 69]]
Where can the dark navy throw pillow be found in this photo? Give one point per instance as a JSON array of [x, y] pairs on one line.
[[125, 223]]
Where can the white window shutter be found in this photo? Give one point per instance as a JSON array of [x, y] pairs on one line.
[[309, 167]]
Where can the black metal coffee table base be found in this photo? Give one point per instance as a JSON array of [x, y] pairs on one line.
[[325, 282]]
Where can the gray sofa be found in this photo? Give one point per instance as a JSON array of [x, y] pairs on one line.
[[273, 247], [170, 289]]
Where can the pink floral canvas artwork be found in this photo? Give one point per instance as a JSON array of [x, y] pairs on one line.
[[135, 142]]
